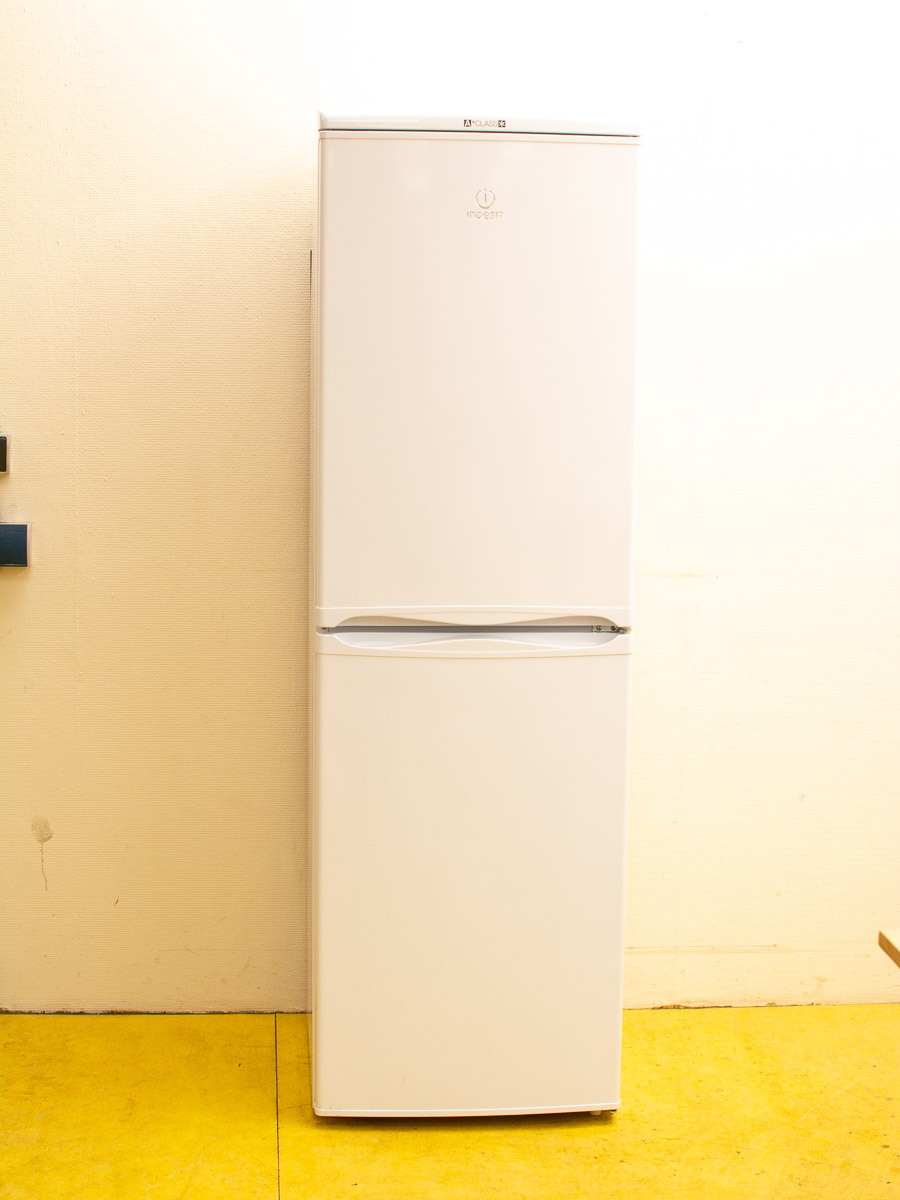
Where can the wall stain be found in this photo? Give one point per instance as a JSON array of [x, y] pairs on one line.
[[40, 827]]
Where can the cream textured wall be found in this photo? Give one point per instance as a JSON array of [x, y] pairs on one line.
[[158, 193], [158, 204]]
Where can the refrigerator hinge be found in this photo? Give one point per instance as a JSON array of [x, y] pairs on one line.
[[610, 629]]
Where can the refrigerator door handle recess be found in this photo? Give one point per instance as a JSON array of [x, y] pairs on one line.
[[499, 630]]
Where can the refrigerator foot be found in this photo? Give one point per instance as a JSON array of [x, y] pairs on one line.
[[602, 1112]]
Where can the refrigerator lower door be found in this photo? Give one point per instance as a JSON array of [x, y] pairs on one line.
[[469, 851]]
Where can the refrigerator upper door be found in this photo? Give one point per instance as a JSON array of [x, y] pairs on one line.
[[474, 376]]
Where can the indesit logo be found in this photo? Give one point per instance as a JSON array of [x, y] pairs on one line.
[[485, 211], [477, 123]]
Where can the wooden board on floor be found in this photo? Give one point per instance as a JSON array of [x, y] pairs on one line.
[[889, 941]]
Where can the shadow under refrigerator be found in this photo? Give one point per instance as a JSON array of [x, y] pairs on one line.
[[474, 330]]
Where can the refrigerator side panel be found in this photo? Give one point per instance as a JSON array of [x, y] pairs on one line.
[[470, 859], [314, 390], [476, 375]]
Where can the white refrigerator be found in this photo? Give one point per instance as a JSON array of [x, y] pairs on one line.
[[473, 367]]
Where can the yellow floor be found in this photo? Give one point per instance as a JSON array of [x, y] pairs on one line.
[[750, 1103]]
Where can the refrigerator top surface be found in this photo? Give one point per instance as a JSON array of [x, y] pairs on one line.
[[473, 124]]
